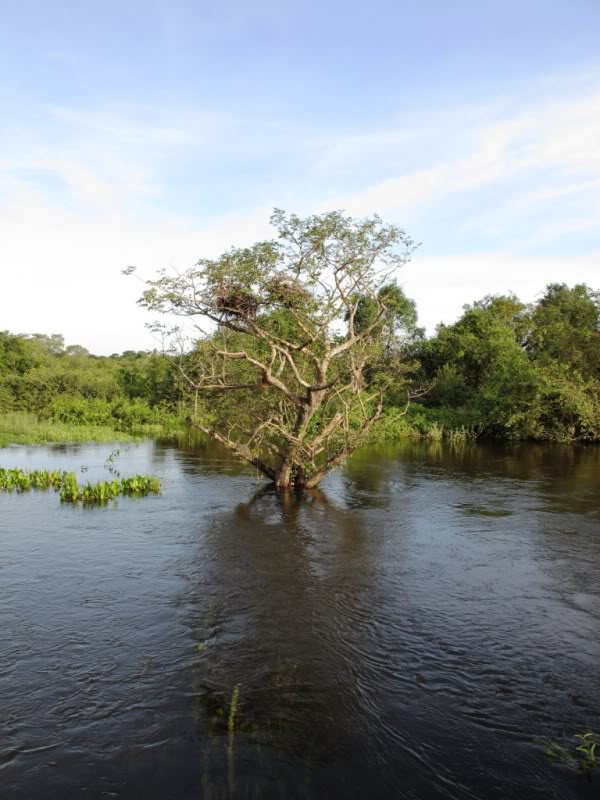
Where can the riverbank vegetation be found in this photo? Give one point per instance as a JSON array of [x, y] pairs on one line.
[[510, 370], [50, 392], [505, 369]]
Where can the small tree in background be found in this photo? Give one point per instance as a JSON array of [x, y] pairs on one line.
[[300, 343]]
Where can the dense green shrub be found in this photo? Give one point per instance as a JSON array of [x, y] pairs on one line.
[[504, 369], [520, 372]]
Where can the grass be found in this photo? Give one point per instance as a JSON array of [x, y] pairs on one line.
[[437, 432], [23, 428], [71, 491], [20, 427]]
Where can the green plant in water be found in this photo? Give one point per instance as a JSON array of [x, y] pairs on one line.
[[231, 727], [102, 491], [66, 484], [233, 709], [581, 757], [110, 461], [69, 490], [435, 432], [587, 748], [21, 480]]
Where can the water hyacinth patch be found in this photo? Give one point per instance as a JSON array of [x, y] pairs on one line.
[[71, 491]]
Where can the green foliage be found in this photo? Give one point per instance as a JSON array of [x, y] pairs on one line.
[[235, 696], [520, 372], [581, 756], [66, 390], [566, 328], [23, 480], [400, 316], [302, 340], [120, 413], [24, 428], [504, 369], [66, 484]]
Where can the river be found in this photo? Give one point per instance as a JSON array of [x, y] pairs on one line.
[[414, 630]]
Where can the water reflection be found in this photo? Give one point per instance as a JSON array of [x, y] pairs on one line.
[[262, 599]]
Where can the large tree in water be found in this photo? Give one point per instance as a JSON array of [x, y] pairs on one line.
[[297, 341]]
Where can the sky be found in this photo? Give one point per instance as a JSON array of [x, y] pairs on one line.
[[155, 133]]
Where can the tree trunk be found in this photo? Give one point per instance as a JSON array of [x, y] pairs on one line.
[[283, 476], [300, 481]]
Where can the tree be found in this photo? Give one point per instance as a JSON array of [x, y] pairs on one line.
[[293, 368], [485, 344], [566, 328], [55, 343], [521, 371], [76, 350]]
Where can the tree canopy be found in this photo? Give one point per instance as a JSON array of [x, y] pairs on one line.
[[505, 369], [521, 371], [301, 330]]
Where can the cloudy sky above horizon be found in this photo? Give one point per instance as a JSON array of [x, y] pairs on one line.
[[155, 133]]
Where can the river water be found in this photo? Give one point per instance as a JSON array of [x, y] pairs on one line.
[[414, 630]]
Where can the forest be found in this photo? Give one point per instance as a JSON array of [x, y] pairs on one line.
[[505, 369]]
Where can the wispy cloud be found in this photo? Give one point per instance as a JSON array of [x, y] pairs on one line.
[[553, 145], [92, 190]]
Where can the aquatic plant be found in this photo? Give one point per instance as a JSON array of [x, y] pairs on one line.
[[109, 464], [21, 480], [233, 708], [460, 435], [581, 757], [231, 727], [139, 484], [435, 432], [70, 490], [587, 748], [102, 491]]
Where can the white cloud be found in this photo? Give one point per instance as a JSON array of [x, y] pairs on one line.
[[61, 271], [441, 285], [557, 139], [61, 254]]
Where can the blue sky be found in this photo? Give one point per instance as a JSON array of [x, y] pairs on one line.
[[155, 133]]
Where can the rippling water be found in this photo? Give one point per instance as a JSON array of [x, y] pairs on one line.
[[412, 631]]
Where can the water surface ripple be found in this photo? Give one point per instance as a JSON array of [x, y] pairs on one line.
[[411, 631]]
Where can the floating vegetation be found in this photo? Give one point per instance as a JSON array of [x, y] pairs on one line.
[[587, 749], [71, 491], [581, 757], [235, 696]]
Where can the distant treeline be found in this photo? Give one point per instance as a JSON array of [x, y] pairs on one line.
[[511, 370], [505, 369], [69, 385]]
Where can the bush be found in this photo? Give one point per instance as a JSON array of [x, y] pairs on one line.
[[120, 413]]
